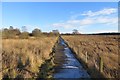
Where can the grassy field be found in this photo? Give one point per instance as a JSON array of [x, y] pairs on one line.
[[23, 57], [90, 48]]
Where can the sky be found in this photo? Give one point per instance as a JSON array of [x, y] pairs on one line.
[[59, 0], [86, 17]]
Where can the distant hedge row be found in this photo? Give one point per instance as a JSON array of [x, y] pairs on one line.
[[16, 33]]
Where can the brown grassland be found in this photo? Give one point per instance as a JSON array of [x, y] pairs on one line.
[[23, 57], [93, 47]]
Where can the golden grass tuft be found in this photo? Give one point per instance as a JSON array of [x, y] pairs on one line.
[[24, 56]]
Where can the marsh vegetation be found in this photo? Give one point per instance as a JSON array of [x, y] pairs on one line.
[[92, 48]]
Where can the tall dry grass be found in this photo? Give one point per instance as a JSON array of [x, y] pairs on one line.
[[23, 57], [96, 46], [0, 53]]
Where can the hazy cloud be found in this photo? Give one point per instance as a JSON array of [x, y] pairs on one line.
[[91, 18], [106, 11]]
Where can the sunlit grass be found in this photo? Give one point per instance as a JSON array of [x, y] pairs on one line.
[[96, 46], [24, 56]]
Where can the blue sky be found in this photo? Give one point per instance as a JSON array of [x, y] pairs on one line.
[[87, 17], [59, 0]]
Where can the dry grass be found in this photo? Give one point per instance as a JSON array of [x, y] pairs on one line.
[[0, 55], [24, 56], [96, 46]]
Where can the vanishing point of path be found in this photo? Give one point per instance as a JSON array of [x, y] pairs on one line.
[[66, 65]]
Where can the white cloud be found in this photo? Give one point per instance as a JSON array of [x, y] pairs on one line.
[[106, 11], [91, 18], [75, 16], [87, 21]]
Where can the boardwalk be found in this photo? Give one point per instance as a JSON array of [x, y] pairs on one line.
[[66, 65]]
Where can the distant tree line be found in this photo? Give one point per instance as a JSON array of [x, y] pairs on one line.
[[16, 33]]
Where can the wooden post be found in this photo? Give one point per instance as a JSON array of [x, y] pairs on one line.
[[101, 65], [74, 45], [94, 65], [86, 56], [78, 49]]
